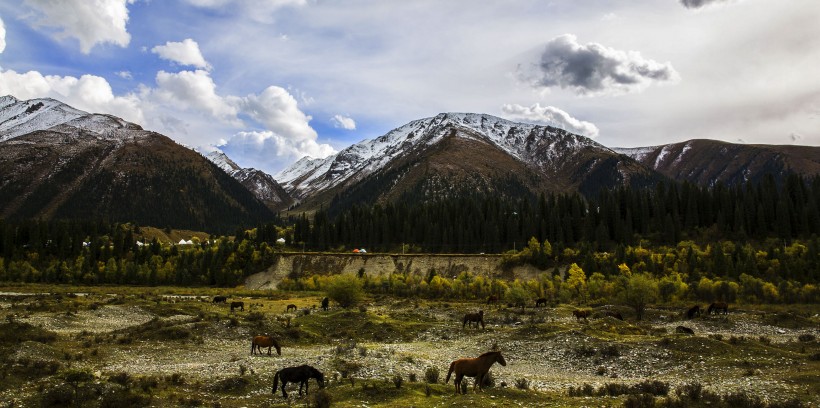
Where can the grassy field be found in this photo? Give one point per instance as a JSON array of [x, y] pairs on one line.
[[126, 346]]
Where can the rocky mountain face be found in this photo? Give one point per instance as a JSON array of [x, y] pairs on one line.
[[261, 184], [457, 153], [706, 162], [59, 162]]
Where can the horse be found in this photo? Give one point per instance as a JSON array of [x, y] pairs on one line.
[[264, 341], [693, 311], [492, 299], [474, 367], [718, 306], [581, 314], [220, 299], [473, 317], [540, 302], [290, 307], [238, 305], [684, 330], [301, 374], [614, 314], [325, 304]]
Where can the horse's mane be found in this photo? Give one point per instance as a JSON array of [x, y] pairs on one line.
[[488, 353]]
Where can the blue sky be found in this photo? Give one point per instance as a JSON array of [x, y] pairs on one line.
[[269, 81]]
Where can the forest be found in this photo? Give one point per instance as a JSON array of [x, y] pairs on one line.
[[751, 242]]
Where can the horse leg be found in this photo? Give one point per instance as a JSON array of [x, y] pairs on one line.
[[260, 350], [284, 394], [458, 379]]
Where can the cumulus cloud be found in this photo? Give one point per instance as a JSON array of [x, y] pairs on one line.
[[194, 90], [90, 93], [266, 149], [695, 4], [343, 122], [2, 36], [90, 22], [124, 74], [183, 53], [550, 115], [593, 69], [278, 110]]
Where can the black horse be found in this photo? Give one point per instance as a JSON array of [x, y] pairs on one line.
[[693, 311], [540, 302], [220, 299], [325, 304], [300, 374], [469, 318], [718, 307], [238, 305]]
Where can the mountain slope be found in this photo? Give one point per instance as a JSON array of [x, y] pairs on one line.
[[261, 184], [455, 152], [80, 165], [706, 162]]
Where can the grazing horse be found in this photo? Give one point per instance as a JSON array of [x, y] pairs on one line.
[[474, 367], [264, 341], [220, 299], [238, 305], [301, 374], [693, 311], [614, 314], [325, 304], [540, 302], [581, 314], [684, 330], [473, 317], [717, 307], [492, 300], [290, 307]]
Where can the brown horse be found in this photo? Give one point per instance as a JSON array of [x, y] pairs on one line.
[[238, 305], [264, 341], [541, 302], [612, 313], [473, 317], [717, 307], [693, 311], [474, 367], [581, 314], [290, 307]]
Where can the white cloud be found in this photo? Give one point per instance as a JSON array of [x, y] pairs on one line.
[[2, 36], [194, 90], [90, 22], [609, 17], [278, 110], [184, 53], [259, 10], [695, 4], [124, 74], [269, 150], [89, 93], [593, 69], [550, 115], [343, 122]]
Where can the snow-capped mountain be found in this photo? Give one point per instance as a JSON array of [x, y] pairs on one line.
[[261, 184], [60, 162], [706, 162], [540, 158]]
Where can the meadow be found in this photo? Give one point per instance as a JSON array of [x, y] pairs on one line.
[[119, 346]]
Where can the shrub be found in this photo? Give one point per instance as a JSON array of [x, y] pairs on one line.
[[345, 290], [690, 391], [121, 378], [412, 377], [640, 401], [431, 375], [743, 400], [398, 380], [522, 383], [61, 395], [122, 398], [806, 338], [322, 399]]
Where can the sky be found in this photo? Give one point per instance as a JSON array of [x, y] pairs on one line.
[[271, 81]]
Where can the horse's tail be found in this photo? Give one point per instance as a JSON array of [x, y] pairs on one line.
[[450, 371], [275, 382]]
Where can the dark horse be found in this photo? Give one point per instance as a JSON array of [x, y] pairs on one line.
[[264, 341], [474, 367], [325, 304], [300, 374], [717, 307], [290, 307], [684, 330], [581, 314], [693, 311], [238, 305], [220, 299], [612, 313], [492, 299], [541, 302], [473, 317]]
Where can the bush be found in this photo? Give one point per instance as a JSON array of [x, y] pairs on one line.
[[640, 401], [431, 375], [322, 399], [806, 338], [122, 398], [345, 290], [398, 380], [743, 400], [522, 383]]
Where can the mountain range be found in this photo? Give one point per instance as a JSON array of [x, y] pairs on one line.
[[60, 162]]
